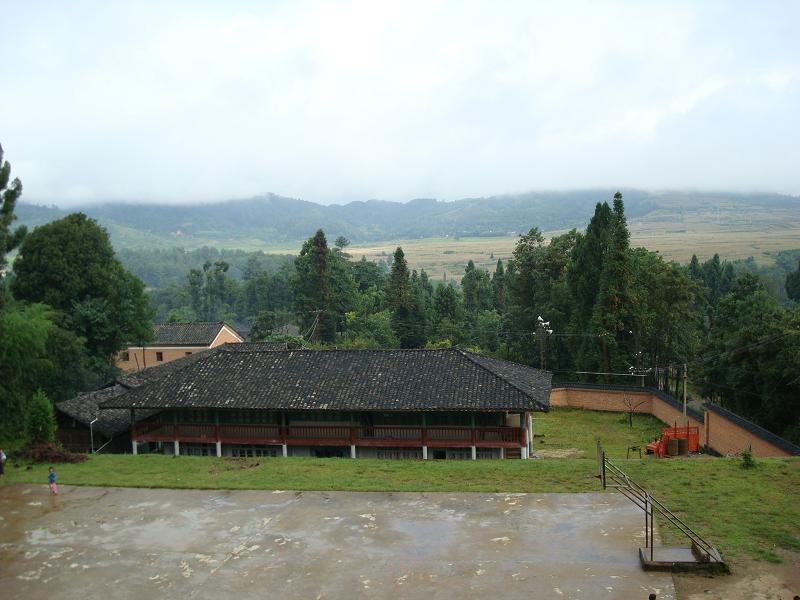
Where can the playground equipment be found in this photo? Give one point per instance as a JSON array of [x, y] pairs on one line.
[[676, 441]]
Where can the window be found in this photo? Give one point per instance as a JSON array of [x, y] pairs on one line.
[[199, 449], [160, 356], [248, 451], [126, 356], [399, 453]]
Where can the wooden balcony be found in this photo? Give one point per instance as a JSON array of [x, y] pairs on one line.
[[332, 435]]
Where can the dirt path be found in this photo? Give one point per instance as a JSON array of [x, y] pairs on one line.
[[750, 580]]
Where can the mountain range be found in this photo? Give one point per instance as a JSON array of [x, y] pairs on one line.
[[272, 220]]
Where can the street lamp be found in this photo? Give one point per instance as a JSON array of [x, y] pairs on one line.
[[91, 432], [542, 328]]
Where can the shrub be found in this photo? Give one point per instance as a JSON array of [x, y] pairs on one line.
[[40, 420], [49, 453], [748, 462]]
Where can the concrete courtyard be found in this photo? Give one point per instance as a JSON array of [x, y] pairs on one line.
[[140, 543]]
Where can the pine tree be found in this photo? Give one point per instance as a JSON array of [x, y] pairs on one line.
[[499, 287], [312, 289], [611, 313], [408, 320]]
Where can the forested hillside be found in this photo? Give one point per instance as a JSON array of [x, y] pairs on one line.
[[271, 219]]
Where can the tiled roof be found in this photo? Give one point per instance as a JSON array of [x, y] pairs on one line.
[[245, 376], [186, 334], [85, 407], [150, 374]]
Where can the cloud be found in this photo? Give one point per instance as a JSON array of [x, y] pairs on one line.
[[352, 100]]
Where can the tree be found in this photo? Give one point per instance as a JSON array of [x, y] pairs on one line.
[[40, 420], [793, 285], [311, 287], [610, 313], [476, 287], [448, 314], [70, 265], [407, 318], [23, 361], [9, 194], [499, 287], [262, 325], [750, 362], [367, 274], [255, 292], [487, 330]]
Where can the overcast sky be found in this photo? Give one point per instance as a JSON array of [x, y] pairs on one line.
[[332, 102]]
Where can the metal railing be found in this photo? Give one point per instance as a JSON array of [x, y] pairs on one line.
[[611, 476]]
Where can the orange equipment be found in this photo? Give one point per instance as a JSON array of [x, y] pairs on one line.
[[660, 446]]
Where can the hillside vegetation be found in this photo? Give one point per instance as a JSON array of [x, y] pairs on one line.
[[753, 222]]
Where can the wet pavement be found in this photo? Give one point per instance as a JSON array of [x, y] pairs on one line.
[[139, 543]]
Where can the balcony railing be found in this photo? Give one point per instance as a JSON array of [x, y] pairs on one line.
[[331, 435]]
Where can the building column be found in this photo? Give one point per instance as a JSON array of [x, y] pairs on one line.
[[424, 436], [474, 453], [530, 434], [523, 452], [502, 453], [352, 450], [219, 449], [284, 450], [134, 443], [177, 448]]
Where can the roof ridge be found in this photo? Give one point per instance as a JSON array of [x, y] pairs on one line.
[[471, 358], [243, 346]]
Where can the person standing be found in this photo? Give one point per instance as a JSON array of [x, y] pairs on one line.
[[2, 462], [51, 479]]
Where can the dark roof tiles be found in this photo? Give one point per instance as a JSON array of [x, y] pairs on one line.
[[187, 334], [248, 376]]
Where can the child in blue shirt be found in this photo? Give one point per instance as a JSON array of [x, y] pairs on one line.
[[51, 479]]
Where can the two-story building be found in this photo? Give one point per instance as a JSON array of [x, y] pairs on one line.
[[176, 340]]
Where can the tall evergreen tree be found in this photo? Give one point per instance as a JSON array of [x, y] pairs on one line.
[[407, 318], [499, 287], [9, 194], [311, 287], [611, 311], [476, 287]]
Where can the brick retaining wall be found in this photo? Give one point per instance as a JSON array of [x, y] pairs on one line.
[[721, 430]]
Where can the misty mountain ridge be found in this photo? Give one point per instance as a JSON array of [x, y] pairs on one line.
[[273, 219]]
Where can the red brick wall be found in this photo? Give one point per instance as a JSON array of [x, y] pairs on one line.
[[727, 437], [717, 432], [598, 399]]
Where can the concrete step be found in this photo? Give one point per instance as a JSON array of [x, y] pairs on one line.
[[670, 558]]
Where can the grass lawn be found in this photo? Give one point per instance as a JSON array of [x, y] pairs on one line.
[[747, 513], [578, 429]]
